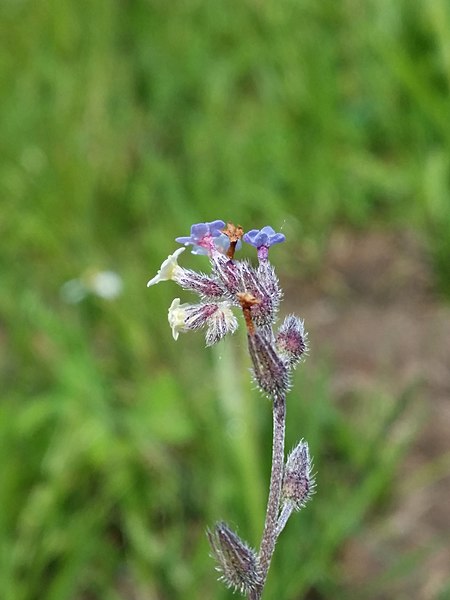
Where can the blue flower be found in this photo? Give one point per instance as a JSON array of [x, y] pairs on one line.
[[202, 236], [222, 243], [263, 237]]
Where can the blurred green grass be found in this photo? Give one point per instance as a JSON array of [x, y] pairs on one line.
[[121, 123]]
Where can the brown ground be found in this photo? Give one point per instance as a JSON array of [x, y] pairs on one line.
[[374, 307]]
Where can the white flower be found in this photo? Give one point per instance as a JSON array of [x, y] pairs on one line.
[[218, 318], [168, 269], [177, 316], [106, 284]]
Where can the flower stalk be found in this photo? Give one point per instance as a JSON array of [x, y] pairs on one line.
[[235, 284], [270, 532]]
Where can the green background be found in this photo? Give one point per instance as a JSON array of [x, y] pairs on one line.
[[121, 124]]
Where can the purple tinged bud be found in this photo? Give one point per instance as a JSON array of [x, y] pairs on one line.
[[267, 276], [291, 340], [227, 272], [237, 563], [264, 312], [269, 370], [298, 483], [202, 284]]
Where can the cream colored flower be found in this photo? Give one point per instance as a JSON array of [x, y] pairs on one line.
[[218, 319], [168, 269], [177, 317]]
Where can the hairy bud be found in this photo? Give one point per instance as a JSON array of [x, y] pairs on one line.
[[236, 561], [269, 370], [264, 312], [204, 286], [291, 340], [298, 483]]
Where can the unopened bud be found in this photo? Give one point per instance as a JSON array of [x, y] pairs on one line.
[[291, 340], [298, 483], [236, 561], [265, 310], [269, 370]]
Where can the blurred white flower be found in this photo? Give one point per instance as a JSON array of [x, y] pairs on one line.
[[104, 284]]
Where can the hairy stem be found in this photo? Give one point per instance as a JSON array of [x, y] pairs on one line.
[[273, 504]]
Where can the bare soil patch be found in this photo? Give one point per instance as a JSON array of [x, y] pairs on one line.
[[374, 308]]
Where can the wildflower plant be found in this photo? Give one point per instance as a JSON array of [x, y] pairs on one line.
[[238, 285]]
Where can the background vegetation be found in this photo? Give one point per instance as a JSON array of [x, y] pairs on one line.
[[121, 124]]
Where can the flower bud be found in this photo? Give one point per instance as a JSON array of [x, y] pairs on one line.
[[265, 311], [269, 370], [291, 340], [236, 561], [298, 482], [204, 286], [226, 272]]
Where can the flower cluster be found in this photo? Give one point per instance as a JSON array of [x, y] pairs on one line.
[[255, 291], [236, 284]]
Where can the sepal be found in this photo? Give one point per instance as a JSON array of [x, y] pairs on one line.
[[236, 561]]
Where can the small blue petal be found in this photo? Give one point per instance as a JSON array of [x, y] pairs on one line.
[[199, 230], [266, 237], [215, 227], [277, 238], [262, 239], [268, 230], [183, 240], [250, 236]]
